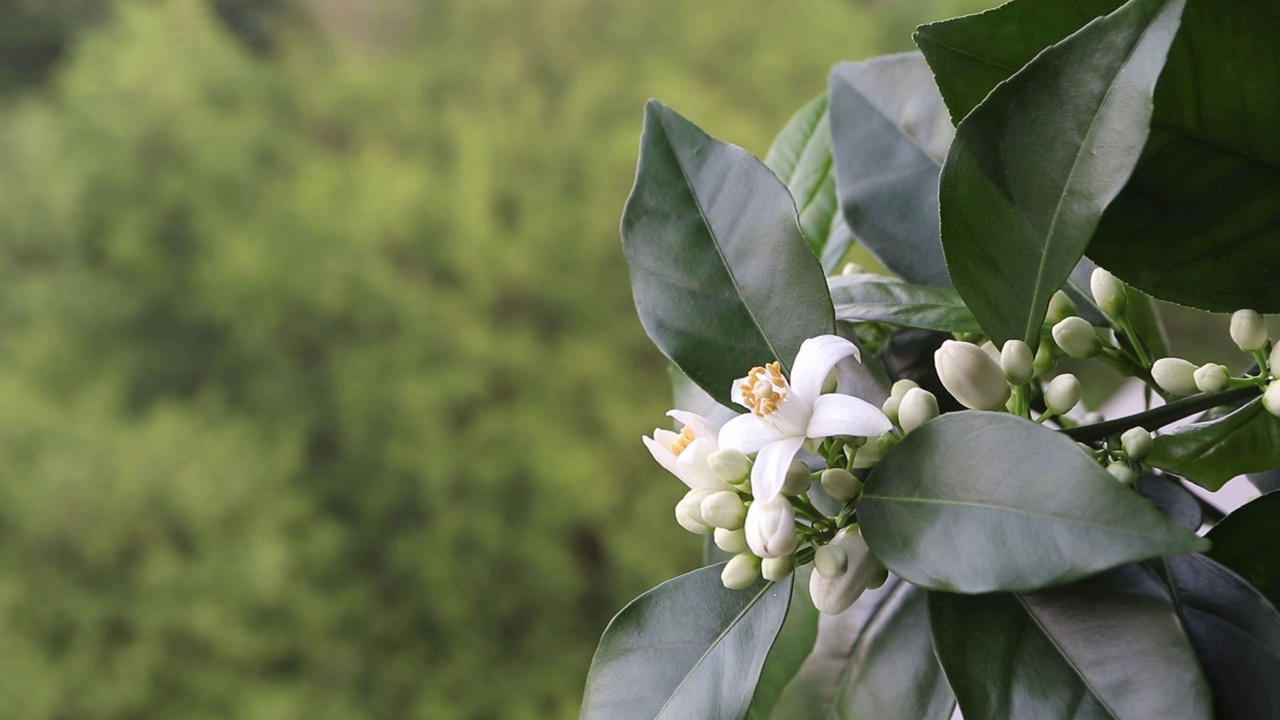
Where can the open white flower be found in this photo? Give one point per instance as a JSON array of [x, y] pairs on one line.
[[684, 454], [784, 414]]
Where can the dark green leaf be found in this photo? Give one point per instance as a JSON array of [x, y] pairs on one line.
[[801, 158], [1267, 481], [1107, 647], [789, 651], [873, 661], [1034, 165], [1198, 223], [1145, 318], [1211, 453], [1248, 542], [1236, 634], [974, 502], [1173, 500], [688, 648], [875, 298], [889, 134], [721, 274]]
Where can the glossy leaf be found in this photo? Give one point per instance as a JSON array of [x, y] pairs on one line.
[[1173, 500], [889, 134], [1266, 481], [1212, 452], [974, 502], [794, 644], [1248, 542], [875, 298], [1110, 646], [1236, 634], [801, 157], [873, 661], [1198, 223], [1034, 165], [722, 277], [688, 648]]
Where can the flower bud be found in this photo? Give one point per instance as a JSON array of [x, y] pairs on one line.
[[1122, 472], [1137, 443], [1271, 398], [1108, 292], [741, 571], [852, 268], [724, 509], [730, 465], [971, 376], [1062, 394], [689, 511], [868, 455], [901, 387], [1060, 308], [1077, 338], [771, 527], [798, 479], [919, 406], [731, 541], [862, 571], [1175, 376], [1248, 330], [1046, 358], [891, 407], [1017, 361], [777, 569], [831, 561], [991, 350], [840, 484], [1212, 378], [1273, 362]]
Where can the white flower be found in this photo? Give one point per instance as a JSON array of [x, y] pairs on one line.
[[784, 414], [684, 454], [771, 527]]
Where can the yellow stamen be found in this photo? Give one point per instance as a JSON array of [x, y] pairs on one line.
[[682, 441], [764, 389]]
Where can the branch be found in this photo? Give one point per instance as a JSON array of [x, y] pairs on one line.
[[1161, 416]]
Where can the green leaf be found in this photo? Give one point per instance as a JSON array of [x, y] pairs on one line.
[[1248, 542], [1236, 634], [1107, 647], [1034, 165], [1198, 223], [688, 648], [1211, 453], [801, 158], [1173, 500], [794, 643], [873, 661], [722, 277], [973, 502], [875, 298], [889, 134]]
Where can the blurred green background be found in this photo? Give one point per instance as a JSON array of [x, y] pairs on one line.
[[320, 386]]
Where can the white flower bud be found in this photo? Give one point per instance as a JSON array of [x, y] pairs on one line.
[[971, 376], [919, 406], [1108, 292], [731, 541], [1060, 308], [1062, 394], [1271, 398], [1017, 361], [862, 572], [1137, 443], [689, 511], [868, 455], [777, 569], [771, 527], [990, 349], [798, 479], [730, 465], [1077, 338], [1248, 330], [1212, 377], [852, 268], [1175, 376], [724, 509], [741, 571], [840, 484], [891, 407], [1273, 362], [1122, 472], [901, 387], [831, 561]]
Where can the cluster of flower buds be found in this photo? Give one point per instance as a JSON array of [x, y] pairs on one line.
[[1248, 330]]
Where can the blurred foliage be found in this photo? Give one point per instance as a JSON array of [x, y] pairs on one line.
[[320, 388]]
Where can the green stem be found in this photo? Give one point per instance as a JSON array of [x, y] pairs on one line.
[[1144, 355], [1020, 401], [1161, 416]]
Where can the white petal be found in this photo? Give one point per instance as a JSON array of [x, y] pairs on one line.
[[665, 437], [702, 427], [747, 434], [662, 454], [735, 392], [693, 469], [770, 470], [846, 415], [814, 362]]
